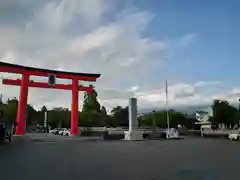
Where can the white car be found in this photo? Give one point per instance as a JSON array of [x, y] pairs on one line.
[[235, 135], [53, 131], [60, 132], [66, 132], [171, 133]]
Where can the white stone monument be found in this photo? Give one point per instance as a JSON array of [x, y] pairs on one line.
[[133, 133]]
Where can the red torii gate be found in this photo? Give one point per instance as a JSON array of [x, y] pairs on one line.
[[24, 83]]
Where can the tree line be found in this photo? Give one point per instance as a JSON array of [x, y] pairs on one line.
[[223, 114], [93, 115]]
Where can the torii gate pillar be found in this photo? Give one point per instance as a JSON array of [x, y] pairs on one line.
[[74, 112], [22, 106]]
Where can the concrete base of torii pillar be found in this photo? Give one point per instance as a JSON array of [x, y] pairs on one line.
[[133, 134]]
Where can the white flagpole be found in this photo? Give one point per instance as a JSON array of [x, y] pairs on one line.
[[168, 124]]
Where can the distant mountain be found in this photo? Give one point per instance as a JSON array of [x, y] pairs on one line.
[[192, 109], [184, 109]]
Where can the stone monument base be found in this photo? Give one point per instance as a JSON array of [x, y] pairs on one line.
[[133, 135]]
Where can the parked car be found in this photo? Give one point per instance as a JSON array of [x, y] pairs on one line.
[[54, 131], [234, 135], [61, 131], [171, 133], [66, 132]]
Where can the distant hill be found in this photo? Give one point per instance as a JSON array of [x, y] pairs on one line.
[[192, 109], [184, 109]]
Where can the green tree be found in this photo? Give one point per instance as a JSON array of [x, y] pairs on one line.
[[90, 102], [160, 117], [104, 116], [116, 110], [31, 114], [84, 119], [1, 108], [91, 114], [10, 110], [146, 120], [59, 117], [1, 99], [103, 110], [189, 122], [176, 118], [223, 113], [90, 119], [44, 109], [120, 116]]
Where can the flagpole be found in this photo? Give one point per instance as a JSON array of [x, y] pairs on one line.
[[168, 124]]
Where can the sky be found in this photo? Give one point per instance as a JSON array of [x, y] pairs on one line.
[[135, 44]]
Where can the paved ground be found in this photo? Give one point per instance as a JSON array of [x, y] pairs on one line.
[[39, 157]]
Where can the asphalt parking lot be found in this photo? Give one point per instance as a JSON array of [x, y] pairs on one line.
[[43, 157]]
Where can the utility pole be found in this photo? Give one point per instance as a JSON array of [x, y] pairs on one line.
[[238, 100]]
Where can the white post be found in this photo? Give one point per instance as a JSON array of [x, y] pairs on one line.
[[133, 133], [132, 114]]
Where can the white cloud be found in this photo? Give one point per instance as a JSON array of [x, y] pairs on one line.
[[236, 91], [230, 96], [134, 89], [100, 37], [182, 90], [178, 94], [206, 83], [91, 36]]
